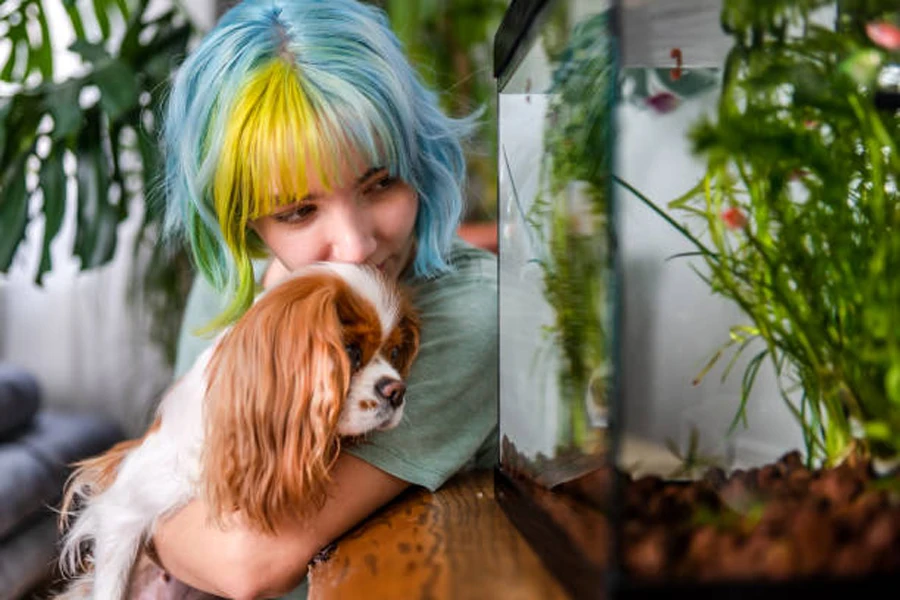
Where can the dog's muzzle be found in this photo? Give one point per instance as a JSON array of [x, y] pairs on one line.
[[391, 390]]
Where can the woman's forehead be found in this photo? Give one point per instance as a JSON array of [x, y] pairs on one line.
[[349, 171]]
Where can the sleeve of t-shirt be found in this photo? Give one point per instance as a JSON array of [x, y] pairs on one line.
[[450, 416]]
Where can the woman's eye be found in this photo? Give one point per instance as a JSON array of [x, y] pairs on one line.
[[354, 353], [384, 182], [298, 215]]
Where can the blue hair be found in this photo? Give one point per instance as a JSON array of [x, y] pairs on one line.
[[365, 94]]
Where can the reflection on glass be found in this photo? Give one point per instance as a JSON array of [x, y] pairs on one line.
[[555, 150]]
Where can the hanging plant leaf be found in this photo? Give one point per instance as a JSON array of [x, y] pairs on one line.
[[45, 53], [16, 35], [101, 16], [13, 213], [91, 176], [118, 88], [75, 19], [53, 186], [33, 54], [63, 107], [91, 52]]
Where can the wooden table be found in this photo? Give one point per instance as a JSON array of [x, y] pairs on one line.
[[455, 544]]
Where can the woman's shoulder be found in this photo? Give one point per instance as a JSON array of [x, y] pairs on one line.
[[467, 291], [470, 262], [471, 270]]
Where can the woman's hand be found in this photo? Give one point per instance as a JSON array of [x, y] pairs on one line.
[[150, 582], [238, 562]]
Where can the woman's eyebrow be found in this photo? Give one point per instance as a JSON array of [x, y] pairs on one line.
[[372, 170], [359, 181]]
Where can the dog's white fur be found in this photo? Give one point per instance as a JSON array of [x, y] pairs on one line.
[[163, 472]]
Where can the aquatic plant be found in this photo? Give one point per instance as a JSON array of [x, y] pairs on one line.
[[799, 212], [570, 217]]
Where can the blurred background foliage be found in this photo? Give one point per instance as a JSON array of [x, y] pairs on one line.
[[451, 44], [84, 145]]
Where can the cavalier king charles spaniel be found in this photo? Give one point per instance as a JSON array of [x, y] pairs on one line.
[[254, 426]]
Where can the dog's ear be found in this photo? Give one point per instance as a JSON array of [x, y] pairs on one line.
[[277, 382], [410, 327]]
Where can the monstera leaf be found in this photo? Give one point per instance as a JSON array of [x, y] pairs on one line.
[[98, 127]]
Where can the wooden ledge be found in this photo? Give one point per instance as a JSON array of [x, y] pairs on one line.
[[456, 543]]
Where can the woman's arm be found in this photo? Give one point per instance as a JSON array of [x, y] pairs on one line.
[[243, 564]]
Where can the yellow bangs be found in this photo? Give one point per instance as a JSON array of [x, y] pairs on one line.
[[272, 136]]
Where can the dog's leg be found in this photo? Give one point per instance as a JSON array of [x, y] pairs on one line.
[[115, 553]]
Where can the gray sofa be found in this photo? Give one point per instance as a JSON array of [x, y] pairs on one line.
[[37, 447]]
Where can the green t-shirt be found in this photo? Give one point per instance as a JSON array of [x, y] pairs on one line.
[[450, 417]]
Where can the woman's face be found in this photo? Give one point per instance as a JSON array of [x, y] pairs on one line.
[[369, 218]]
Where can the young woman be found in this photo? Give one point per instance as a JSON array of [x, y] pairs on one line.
[[298, 132]]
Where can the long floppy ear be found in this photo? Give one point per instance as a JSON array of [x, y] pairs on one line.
[[409, 327], [277, 382]]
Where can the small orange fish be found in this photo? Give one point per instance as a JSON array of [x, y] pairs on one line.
[[675, 73], [734, 219], [886, 35]]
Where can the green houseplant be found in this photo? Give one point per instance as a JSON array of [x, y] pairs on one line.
[[799, 209], [97, 127]]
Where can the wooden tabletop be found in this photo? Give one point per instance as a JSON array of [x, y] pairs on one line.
[[453, 544]]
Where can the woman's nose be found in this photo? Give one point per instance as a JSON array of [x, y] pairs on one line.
[[353, 239]]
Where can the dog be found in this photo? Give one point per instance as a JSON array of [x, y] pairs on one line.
[[320, 357]]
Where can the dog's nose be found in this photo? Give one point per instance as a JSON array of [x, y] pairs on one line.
[[391, 390]]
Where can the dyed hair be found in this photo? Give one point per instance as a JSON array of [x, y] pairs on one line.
[[277, 85]]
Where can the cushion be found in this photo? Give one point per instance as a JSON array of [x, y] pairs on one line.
[[20, 398], [35, 464], [28, 557]]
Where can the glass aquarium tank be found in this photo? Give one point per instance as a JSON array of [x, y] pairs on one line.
[[699, 339], [557, 77]]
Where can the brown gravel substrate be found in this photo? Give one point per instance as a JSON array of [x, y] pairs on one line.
[[777, 522]]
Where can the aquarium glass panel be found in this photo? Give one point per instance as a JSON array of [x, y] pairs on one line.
[[556, 282]]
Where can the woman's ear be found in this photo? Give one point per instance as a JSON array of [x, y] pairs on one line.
[[277, 384]]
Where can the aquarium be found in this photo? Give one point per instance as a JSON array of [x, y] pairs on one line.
[[699, 346], [557, 266]]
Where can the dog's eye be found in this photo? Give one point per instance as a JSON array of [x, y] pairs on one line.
[[395, 353], [354, 353]]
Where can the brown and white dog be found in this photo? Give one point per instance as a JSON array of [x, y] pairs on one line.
[[254, 426]]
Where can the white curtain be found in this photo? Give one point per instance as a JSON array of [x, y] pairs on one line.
[[80, 334]]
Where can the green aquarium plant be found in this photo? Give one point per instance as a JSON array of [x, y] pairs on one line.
[[800, 213], [570, 217]]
